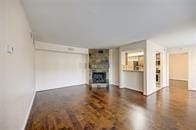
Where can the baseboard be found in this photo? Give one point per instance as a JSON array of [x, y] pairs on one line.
[[124, 87], [102, 85], [154, 91], [180, 79], [29, 110], [134, 90], [192, 89], [151, 93], [121, 87], [115, 85], [39, 90]]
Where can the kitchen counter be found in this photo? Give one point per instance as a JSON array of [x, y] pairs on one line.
[[134, 70]]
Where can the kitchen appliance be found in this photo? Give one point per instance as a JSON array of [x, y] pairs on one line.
[[158, 76]]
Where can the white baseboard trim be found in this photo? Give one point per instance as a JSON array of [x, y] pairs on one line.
[[180, 79], [29, 110], [115, 84], [137, 90], [102, 85], [124, 86], [154, 91], [192, 89], [38, 90]]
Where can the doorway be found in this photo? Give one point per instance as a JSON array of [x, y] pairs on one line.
[[178, 70]]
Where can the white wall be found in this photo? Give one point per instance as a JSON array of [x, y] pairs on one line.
[[178, 66], [59, 69], [59, 48], [129, 80], [2, 64], [17, 69], [192, 68], [132, 80], [151, 49], [114, 66]]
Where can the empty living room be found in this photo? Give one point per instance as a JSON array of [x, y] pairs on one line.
[[97, 65]]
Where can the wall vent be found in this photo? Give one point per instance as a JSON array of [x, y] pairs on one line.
[[70, 49]]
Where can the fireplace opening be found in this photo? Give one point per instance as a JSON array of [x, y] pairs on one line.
[[99, 77]]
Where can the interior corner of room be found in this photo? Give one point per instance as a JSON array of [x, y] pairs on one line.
[[43, 50], [141, 68]]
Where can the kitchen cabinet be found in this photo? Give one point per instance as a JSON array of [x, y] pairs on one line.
[[133, 63]]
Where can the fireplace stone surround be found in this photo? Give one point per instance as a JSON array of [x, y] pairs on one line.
[[99, 64]]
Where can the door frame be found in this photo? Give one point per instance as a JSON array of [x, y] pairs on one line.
[[189, 64]]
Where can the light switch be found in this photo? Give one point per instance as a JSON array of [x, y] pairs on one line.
[[10, 49], [1, 48]]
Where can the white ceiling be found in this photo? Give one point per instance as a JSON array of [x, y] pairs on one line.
[[109, 23], [178, 38]]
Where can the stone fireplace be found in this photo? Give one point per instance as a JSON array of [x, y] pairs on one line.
[[99, 77], [98, 66]]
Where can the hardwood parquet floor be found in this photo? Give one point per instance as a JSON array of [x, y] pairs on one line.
[[83, 108]]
